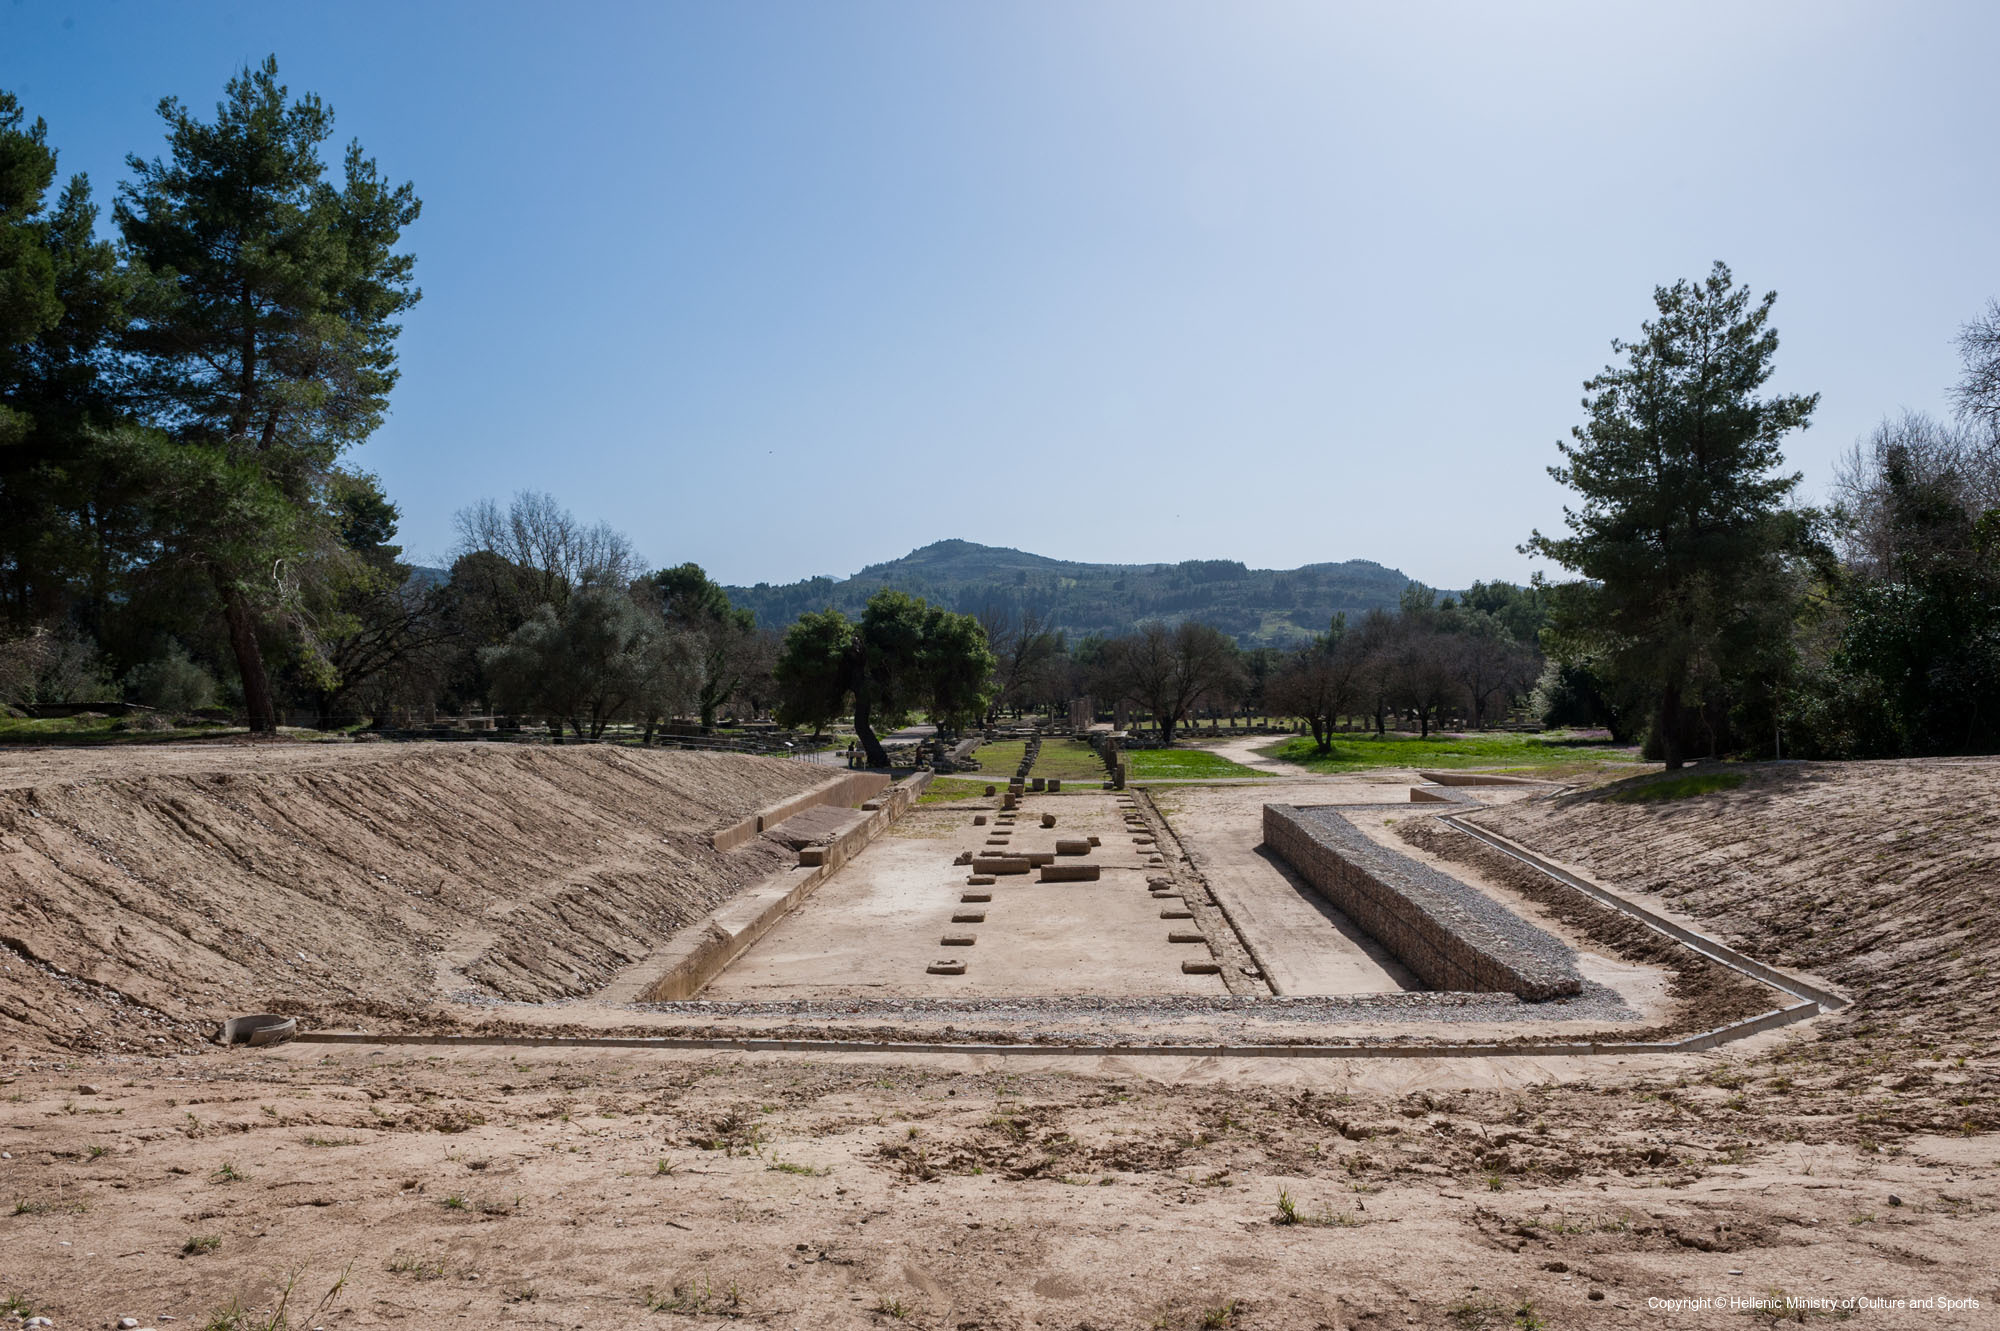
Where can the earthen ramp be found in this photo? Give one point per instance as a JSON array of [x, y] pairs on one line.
[[144, 891]]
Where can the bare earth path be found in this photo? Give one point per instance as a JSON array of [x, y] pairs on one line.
[[1303, 943]]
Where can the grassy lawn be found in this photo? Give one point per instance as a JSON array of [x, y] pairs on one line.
[[1157, 764], [1063, 759], [951, 789], [1677, 788], [97, 730], [1356, 752]]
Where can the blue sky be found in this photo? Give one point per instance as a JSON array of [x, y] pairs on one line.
[[791, 288]]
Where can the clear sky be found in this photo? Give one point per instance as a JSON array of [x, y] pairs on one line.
[[791, 288]]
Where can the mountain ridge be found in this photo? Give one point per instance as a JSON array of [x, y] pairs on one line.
[[1258, 607]]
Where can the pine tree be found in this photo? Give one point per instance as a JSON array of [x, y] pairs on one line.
[[1683, 514], [265, 328]]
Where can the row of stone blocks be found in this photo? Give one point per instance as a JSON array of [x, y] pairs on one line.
[[1451, 935], [1045, 860]]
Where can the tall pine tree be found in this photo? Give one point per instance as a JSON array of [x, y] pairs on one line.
[[265, 329], [1683, 520]]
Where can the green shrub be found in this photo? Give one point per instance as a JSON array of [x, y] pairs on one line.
[[172, 682]]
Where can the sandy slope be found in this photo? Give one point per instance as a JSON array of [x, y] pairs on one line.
[[203, 880]]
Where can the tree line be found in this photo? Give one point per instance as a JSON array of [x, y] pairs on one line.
[[179, 524], [1472, 658]]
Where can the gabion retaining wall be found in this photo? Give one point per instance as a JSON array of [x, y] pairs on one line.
[[1451, 935]]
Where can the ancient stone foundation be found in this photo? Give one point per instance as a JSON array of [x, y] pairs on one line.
[[1451, 935]]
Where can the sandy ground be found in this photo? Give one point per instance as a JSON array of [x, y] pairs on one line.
[[584, 1190], [1852, 1159], [877, 925]]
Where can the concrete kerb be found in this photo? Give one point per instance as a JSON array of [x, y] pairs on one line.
[[1706, 1040], [704, 949]]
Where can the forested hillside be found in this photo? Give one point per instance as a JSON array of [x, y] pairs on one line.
[[1256, 606]]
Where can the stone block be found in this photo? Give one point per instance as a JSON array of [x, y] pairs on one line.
[[1072, 846], [969, 917], [812, 855], [1048, 820], [958, 940], [1000, 864], [945, 968], [1451, 935], [1210, 967], [973, 898], [1176, 913], [1069, 873], [979, 820], [1187, 936]]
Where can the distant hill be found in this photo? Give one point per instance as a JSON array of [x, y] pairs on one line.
[[1258, 607]]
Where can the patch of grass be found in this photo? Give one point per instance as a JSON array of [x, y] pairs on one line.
[[1676, 788], [198, 1244], [1215, 1319], [1325, 1218], [97, 730], [1357, 751], [804, 1171], [17, 1305], [417, 1268], [952, 789], [1473, 1313], [1183, 764], [1064, 759], [235, 1316], [895, 1308], [695, 1298], [229, 1173], [333, 1141]]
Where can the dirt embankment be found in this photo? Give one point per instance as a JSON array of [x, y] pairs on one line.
[[137, 902], [1706, 994], [1882, 878]]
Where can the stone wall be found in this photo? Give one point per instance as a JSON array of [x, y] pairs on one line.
[[700, 952], [848, 791], [1450, 935]]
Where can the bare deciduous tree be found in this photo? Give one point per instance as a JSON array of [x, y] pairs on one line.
[[1958, 460], [547, 542], [1978, 393], [1318, 685], [1167, 670], [1028, 652]]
